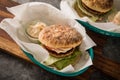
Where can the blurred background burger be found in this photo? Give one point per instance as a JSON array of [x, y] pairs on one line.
[[96, 10]]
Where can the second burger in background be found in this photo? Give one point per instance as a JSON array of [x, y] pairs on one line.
[[96, 10], [62, 42]]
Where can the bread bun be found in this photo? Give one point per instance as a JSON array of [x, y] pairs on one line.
[[59, 36], [102, 6]]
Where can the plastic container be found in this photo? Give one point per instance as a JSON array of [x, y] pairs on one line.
[[97, 30], [90, 51]]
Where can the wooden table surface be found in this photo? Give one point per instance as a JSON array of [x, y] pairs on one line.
[[102, 63]]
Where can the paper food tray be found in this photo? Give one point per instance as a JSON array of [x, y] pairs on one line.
[[49, 14]]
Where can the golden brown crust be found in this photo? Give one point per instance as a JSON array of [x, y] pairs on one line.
[[102, 6], [59, 36]]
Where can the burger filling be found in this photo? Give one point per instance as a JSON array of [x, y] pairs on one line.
[[62, 60], [71, 59], [58, 50], [61, 54]]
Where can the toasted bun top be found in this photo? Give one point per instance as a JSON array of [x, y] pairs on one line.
[[59, 36], [99, 5]]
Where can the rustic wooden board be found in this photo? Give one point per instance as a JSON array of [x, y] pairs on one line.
[[101, 62], [6, 42], [108, 66]]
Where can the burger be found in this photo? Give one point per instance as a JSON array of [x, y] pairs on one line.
[[96, 10], [62, 42]]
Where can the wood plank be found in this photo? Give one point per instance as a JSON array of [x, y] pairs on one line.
[[86, 75], [5, 14], [6, 42], [106, 65], [8, 3], [12, 48]]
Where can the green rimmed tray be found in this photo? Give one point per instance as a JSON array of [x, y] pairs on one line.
[[97, 30], [57, 72]]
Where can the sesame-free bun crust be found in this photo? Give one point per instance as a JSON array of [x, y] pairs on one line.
[[102, 6], [59, 36]]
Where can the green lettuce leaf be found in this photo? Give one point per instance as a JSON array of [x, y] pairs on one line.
[[50, 60], [60, 64]]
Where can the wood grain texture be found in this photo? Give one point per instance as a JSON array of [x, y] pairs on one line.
[[13, 48], [6, 42], [108, 66]]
